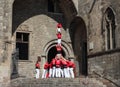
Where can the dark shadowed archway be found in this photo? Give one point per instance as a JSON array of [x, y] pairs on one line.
[[78, 34], [52, 53], [25, 9]]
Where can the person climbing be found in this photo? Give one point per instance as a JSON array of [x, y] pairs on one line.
[[59, 36], [59, 26]]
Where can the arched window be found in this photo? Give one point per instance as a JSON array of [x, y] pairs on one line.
[[53, 6], [109, 29]]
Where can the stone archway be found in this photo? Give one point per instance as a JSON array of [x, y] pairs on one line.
[[50, 47], [78, 34], [52, 53]]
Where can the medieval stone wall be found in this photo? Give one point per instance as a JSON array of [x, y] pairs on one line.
[[92, 12], [5, 44], [32, 17], [106, 64]]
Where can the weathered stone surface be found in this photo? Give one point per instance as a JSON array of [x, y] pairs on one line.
[[32, 16]]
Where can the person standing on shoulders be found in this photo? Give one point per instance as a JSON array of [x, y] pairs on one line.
[[59, 26]]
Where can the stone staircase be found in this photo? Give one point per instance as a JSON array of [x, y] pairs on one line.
[[57, 82]]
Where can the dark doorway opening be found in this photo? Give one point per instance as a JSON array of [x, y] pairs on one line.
[[78, 35], [52, 53], [84, 61]]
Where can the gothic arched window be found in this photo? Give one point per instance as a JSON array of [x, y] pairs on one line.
[[110, 29]]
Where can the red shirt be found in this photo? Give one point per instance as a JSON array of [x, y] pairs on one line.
[[59, 25], [58, 63], [59, 48], [53, 61], [71, 64], [46, 66], [37, 65], [64, 62], [50, 65], [59, 35]]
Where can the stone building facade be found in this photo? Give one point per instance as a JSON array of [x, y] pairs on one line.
[[91, 35]]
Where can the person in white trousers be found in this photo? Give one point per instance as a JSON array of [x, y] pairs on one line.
[[59, 26], [37, 68], [58, 63], [71, 67], [50, 70], [46, 66], [53, 67]]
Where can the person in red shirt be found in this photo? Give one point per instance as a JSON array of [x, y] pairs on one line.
[[59, 26], [65, 67], [45, 71], [37, 67], [58, 67], [71, 68], [59, 36], [50, 69], [59, 49], [53, 67]]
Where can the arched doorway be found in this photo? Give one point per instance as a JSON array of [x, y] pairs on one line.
[[78, 34], [52, 53]]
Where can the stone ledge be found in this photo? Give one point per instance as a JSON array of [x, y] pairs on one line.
[[104, 53]]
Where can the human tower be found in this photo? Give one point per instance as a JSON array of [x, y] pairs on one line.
[[59, 67]]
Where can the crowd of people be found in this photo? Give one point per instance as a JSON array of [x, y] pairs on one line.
[[59, 67]]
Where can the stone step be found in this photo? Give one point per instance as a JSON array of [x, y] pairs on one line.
[[56, 82]]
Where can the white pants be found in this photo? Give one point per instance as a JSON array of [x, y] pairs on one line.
[[58, 30], [50, 72], [68, 73], [58, 72], [61, 72], [59, 41], [37, 75], [65, 72], [44, 73], [53, 71], [71, 72]]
